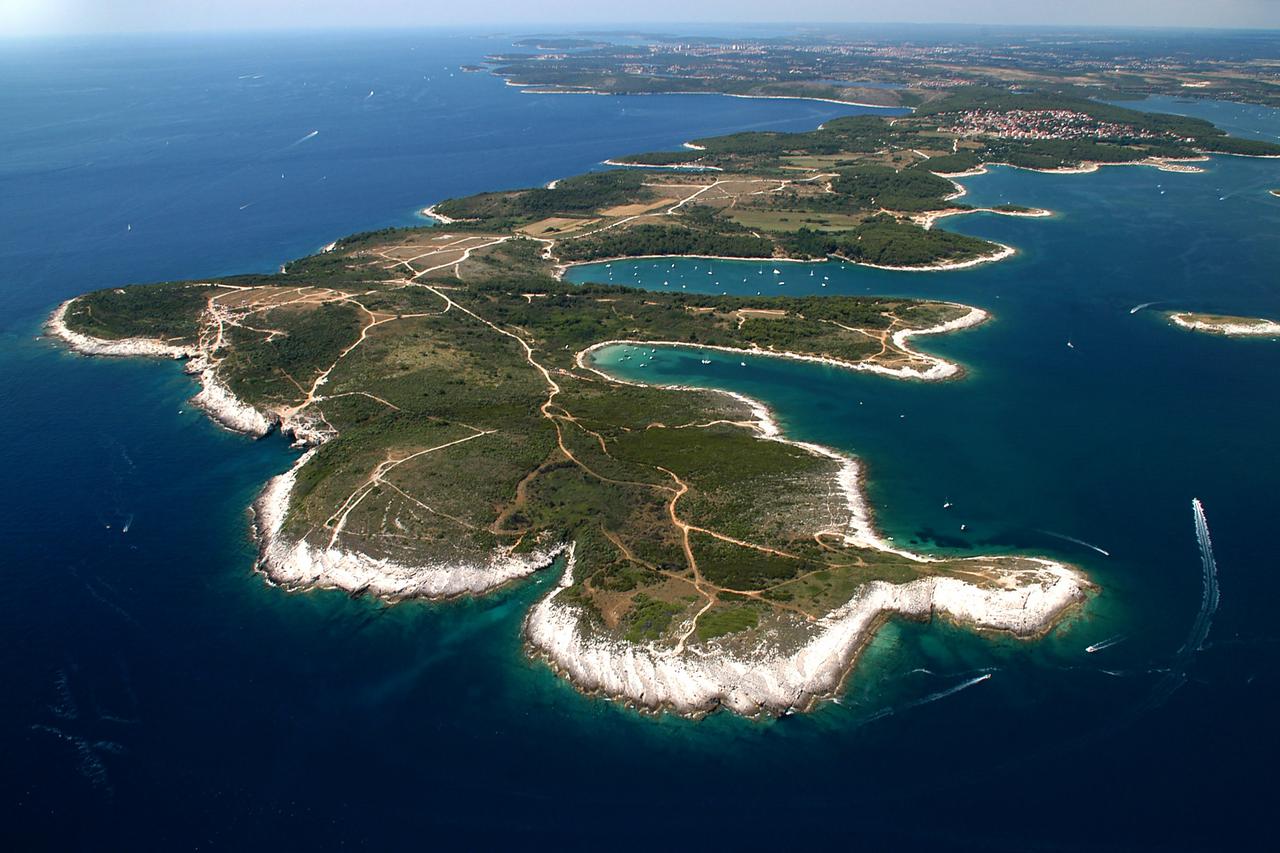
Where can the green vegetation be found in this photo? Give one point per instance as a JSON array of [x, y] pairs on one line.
[[726, 620], [665, 240], [167, 311], [579, 194], [1183, 136], [560, 74], [885, 241], [649, 619], [848, 188], [308, 340], [883, 187], [661, 158], [836, 66], [444, 450], [444, 367]]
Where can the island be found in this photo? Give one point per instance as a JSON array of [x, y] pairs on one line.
[[460, 428], [1225, 324]]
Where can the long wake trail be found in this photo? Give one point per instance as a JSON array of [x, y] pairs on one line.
[[932, 697], [1209, 597], [943, 694]]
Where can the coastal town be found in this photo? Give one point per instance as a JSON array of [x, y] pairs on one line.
[[1041, 124]]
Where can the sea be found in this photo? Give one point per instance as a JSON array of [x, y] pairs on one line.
[[159, 695]]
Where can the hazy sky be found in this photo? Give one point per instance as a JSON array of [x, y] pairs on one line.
[[26, 17]]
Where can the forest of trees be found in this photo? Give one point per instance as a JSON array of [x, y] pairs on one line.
[[886, 241], [871, 186], [665, 240], [579, 194]]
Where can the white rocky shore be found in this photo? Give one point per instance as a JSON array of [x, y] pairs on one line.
[[298, 564], [1230, 326], [688, 167], [214, 396], [223, 406], [293, 563], [87, 345], [697, 681], [1024, 600]]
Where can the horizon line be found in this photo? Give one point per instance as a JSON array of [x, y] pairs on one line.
[[604, 29]]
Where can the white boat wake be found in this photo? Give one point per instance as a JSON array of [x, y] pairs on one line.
[[1105, 644], [1135, 309], [932, 697], [310, 135], [1209, 598], [1081, 542]]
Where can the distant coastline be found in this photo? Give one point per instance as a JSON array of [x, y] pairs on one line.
[[550, 89]]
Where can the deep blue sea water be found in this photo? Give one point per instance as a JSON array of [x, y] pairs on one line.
[[158, 695]]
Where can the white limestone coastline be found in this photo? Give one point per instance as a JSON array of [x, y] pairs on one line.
[[1229, 326], [927, 219], [56, 325], [297, 564], [1025, 600], [687, 167], [432, 213], [693, 683], [214, 397], [769, 682]]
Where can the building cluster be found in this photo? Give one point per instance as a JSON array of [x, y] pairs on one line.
[[1039, 124]]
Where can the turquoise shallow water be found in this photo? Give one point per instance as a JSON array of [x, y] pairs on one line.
[[1105, 440], [159, 696]]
